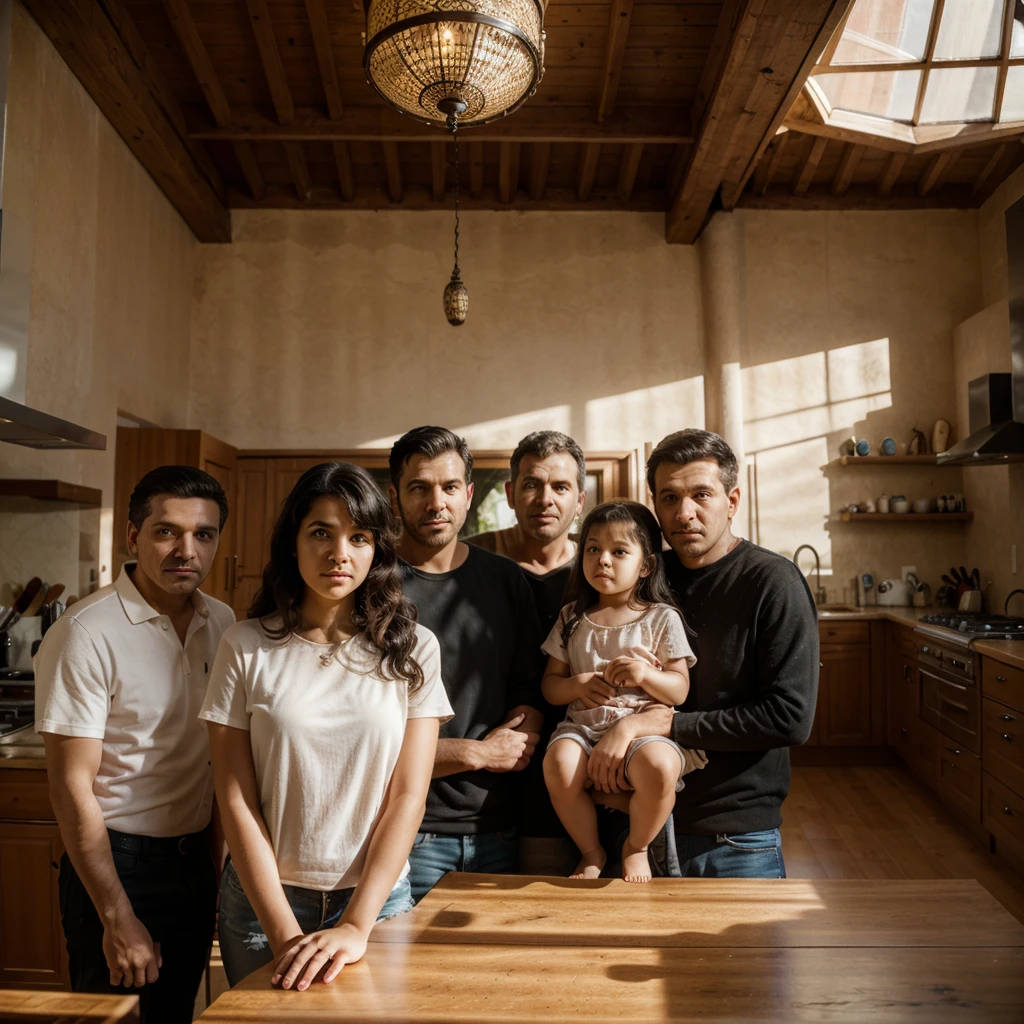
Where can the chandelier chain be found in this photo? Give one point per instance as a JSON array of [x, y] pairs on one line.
[[454, 123]]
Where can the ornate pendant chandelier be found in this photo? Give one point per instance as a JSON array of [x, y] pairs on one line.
[[455, 63], [486, 54]]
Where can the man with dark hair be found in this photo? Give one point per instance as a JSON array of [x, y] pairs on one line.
[[482, 612], [547, 491], [120, 679], [754, 687]]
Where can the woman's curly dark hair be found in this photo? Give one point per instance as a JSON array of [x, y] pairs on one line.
[[386, 618], [650, 589]]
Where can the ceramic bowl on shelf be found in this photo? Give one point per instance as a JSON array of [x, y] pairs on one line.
[[923, 505], [900, 505]]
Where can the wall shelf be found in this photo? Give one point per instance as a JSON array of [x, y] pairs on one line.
[[890, 460], [906, 517], [52, 490]]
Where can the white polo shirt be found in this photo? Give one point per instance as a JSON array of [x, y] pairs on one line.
[[113, 669]]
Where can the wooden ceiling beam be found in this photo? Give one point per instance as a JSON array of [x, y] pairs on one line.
[[393, 170], [346, 177], [990, 166], [508, 171], [630, 164], [476, 170], [437, 171], [251, 169], [770, 162], [938, 167], [891, 172], [299, 168], [202, 67], [320, 27], [270, 57], [614, 57], [848, 164], [649, 125], [771, 49], [540, 165], [135, 102], [805, 175], [587, 170]]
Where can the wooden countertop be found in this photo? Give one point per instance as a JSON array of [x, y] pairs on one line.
[[71, 1007], [494, 949], [904, 616], [1009, 652]]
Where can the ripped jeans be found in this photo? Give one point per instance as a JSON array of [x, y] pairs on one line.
[[243, 944]]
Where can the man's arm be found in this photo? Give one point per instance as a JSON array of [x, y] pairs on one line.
[[787, 665], [500, 750], [72, 763]]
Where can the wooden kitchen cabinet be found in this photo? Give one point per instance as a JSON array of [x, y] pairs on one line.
[[902, 689], [851, 685], [32, 949]]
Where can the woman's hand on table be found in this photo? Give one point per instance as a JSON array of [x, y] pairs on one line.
[[307, 955]]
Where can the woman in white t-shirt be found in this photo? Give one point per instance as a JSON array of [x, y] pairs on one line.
[[323, 711]]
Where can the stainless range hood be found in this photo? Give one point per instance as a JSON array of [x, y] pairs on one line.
[[21, 425], [996, 401]]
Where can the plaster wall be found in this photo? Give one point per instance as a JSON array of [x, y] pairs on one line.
[[325, 330], [982, 345], [111, 290]]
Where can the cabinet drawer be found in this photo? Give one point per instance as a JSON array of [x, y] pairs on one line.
[[25, 795], [1002, 743], [1003, 683], [1002, 812], [846, 632], [959, 779], [953, 709]]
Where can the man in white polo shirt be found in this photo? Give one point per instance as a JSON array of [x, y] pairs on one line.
[[120, 679]]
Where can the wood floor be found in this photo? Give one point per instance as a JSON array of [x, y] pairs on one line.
[[865, 822], [879, 822]]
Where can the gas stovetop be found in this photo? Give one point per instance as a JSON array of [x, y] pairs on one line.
[[981, 626]]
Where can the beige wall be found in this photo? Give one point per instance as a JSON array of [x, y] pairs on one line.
[[326, 329], [982, 345], [849, 332], [111, 292]]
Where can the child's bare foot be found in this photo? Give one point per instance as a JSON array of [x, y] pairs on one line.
[[590, 864], [635, 865]]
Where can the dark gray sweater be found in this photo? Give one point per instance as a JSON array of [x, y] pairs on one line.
[[752, 691]]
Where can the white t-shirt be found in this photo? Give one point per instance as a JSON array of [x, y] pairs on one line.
[[325, 740], [112, 668]]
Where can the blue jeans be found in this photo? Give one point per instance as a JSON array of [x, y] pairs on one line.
[[434, 855], [243, 943], [739, 855]]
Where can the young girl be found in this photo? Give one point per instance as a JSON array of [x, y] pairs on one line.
[[618, 647], [323, 711]]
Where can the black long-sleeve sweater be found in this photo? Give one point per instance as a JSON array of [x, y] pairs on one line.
[[752, 691]]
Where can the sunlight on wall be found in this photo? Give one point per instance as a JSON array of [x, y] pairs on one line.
[[798, 409], [502, 433], [647, 414]]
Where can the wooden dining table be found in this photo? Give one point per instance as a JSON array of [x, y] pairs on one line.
[[507, 949]]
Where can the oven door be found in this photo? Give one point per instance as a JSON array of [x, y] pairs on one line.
[[952, 704]]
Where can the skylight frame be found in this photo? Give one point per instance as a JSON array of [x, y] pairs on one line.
[[1003, 62]]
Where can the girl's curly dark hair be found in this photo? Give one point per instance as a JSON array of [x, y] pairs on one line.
[[386, 618]]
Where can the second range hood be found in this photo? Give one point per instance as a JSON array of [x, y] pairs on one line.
[[996, 401], [21, 425]]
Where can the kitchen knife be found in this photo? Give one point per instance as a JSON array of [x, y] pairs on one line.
[[976, 579], [964, 576], [25, 598], [55, 591], [947, 580], [955, 575]]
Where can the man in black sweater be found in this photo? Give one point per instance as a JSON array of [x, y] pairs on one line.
[[482, 611], [754, 687]]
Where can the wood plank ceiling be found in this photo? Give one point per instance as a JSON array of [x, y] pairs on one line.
[[644, 105]]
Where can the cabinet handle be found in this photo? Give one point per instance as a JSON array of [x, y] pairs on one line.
[[957, 664], [1006, 718], [234, 574], [953, 751], [1006, 810], [1007, 737], [1000, 679], [906, 673], [926, 650], [903, 731], [831, 632]]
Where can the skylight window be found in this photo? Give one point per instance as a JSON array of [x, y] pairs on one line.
[[927, 62]]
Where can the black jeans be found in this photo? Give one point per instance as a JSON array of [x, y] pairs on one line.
[[173, 892]]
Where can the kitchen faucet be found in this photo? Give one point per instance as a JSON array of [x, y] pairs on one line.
[[819, 592]]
